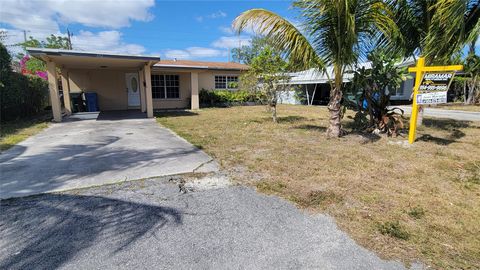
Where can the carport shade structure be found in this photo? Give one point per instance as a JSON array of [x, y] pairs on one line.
[[68, 61]]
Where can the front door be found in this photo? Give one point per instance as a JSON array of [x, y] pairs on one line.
[[133, 88]]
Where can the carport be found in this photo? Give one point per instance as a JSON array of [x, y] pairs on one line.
[[117, 79]]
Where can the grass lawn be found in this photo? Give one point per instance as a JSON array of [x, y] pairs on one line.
[[14, 132], [419, 202]]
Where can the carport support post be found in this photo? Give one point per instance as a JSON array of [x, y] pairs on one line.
[[54, 95], [66, 92], [148, 90], [194, 86], [142, 91]]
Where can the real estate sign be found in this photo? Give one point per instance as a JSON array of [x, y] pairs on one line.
[[433, 88]]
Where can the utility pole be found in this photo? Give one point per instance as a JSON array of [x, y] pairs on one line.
[[24, 35], [69, 39]]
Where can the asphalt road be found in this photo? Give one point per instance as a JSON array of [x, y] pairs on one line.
[[449, 114], [149, 224]]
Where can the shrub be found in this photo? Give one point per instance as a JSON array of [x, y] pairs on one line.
[[217, 97], [20, 96]]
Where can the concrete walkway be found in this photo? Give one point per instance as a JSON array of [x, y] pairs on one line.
[[81, 153], [150, 225], [442, 113]]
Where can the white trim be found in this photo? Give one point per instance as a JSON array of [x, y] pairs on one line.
[[226, 81], [165, 86]]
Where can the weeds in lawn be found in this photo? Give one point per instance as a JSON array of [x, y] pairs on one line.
[[394, 229], [270, 187], [318, 198], [416, 212]]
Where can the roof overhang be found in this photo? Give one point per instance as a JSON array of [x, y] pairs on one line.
[[84, 59], [167, 66]]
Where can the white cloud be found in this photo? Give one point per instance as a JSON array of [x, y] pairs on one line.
[[215, 15], [226, 29], [109, 41], [231, 42], [195, 53], [46, 15], [43, 18]]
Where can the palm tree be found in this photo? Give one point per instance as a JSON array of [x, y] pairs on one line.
[[332, 33], [437, 29]]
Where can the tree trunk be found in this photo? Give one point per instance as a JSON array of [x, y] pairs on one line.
[[308, 96], [471, 91], [334, 106], [465, 92], [274, 113], [420, 116], [313, 96]]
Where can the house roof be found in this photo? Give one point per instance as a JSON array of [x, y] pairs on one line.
[[97, 54], [313, 76], [200, 65]]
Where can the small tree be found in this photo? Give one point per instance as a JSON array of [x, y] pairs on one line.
[[246, 53], [32, 65], [375, 85], [472, 69], [267, 75]]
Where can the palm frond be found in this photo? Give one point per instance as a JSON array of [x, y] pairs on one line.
[[283, 34]]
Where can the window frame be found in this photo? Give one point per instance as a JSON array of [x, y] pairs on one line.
[[226, 76], [162, 78]]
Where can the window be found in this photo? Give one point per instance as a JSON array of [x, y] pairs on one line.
[[226, 82], [165, 86]]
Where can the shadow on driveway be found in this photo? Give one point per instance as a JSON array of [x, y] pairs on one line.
[[44, 232], [56, 167]]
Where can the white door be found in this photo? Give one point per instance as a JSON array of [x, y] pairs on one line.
[[133, 88]]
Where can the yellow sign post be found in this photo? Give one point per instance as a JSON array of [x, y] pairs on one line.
[[420, 70]]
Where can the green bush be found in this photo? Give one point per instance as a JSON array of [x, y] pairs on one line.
[[20, 96], [394, 229], [217, 97]]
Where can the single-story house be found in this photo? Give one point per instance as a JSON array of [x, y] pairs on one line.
[[132, 82], [315, 86]]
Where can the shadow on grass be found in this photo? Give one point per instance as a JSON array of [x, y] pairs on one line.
[[47, 231], [12, 127], [446, 124], [366, 136], [160, 114], [312, 127], [453, 137]]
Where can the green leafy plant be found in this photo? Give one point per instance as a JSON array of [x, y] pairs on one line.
[[372, 95], [218, 97], [394, 229], [416, 212]]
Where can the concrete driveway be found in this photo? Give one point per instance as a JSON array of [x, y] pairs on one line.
[[87, 151]]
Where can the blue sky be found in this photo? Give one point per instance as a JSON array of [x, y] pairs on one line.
[[194, 29], [198, 30]]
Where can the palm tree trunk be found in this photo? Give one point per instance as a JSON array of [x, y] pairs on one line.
[[334, 106]]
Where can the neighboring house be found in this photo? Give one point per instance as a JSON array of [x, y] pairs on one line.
[[316, 83], [119, 79]]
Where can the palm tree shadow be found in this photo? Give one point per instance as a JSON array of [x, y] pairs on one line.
[[44, 232]]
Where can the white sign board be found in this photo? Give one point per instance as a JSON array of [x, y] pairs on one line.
[[432, 98], [434, 87]]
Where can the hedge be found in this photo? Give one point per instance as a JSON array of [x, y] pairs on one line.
[[20, 95], [227, 97]]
